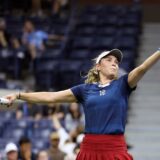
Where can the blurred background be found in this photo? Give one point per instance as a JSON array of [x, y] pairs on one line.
[[47, 45]]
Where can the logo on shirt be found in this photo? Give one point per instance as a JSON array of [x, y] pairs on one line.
[[102, 92]]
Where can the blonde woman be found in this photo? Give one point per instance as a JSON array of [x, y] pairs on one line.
[[105, 101]]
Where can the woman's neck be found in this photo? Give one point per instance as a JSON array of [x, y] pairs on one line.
[[105, 80]]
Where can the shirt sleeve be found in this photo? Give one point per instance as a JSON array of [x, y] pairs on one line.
[[126, 85], [78, 92], [45, 35]]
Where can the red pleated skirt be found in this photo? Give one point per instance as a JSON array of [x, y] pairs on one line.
[[103, 147]]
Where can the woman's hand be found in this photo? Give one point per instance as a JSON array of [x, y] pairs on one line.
[[11, 98]]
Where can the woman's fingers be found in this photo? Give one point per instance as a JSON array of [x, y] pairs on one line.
[[9, 100]]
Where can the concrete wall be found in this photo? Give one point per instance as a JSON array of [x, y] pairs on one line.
[[151, 13]]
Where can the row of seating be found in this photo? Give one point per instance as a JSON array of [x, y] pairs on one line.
[[94, 29], [87, 33], [12, 129]]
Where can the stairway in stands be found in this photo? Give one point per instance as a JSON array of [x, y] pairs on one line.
[[143, 129]]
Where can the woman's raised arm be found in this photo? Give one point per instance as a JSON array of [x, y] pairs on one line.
[[136, 74]]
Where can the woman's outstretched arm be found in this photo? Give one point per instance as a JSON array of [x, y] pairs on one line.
[[43, 97], [136, 74]]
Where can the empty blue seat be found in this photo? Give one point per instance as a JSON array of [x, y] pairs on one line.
[[43, 124], [45, 72], [126, 42], [86, 66], [69, 73], [41, 133], [39, 144], [22, 124], [82, 42], [43, 65], [79, 54], [134, 31], [106, 31], [93, 9], [107, 20], [84, 30], [51, 54], [87, 20], [58, 29], [72, 65], [129, 54], [7, 115], [3, 83], [103, 42], [15, 133], [1, 129], [94, 52]]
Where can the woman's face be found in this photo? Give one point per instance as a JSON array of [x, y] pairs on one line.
[[108, 67]]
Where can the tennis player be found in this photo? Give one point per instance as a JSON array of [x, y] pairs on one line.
[[104, 97]]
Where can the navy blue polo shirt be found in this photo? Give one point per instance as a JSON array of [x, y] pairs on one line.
[[105, 108]]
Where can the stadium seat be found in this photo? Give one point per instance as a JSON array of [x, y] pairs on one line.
[[69, 73], [82, 42], [79, 54], [45, 72]]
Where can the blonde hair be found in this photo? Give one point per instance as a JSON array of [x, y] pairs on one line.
[[92, 75]]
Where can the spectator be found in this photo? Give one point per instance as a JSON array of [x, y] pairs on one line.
[[4, 35], [59, 5], [54, 151], [43, 155], [67, 142], [7, 42], [74, 117], [37, 8], [34, 39], [11, 151], [25, 150], [6, 39]]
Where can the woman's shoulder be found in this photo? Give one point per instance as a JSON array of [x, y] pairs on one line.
[[90, 85], [86, 86]]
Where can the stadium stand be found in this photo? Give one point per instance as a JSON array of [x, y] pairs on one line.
[[86, 33]]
